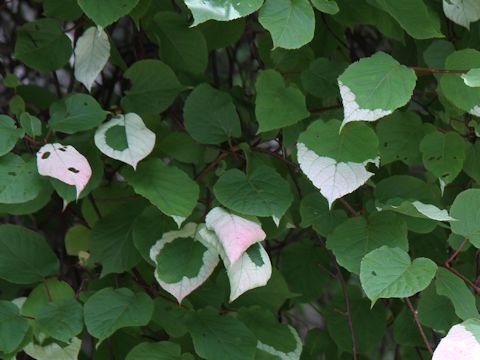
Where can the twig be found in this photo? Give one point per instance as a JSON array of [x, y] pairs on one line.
[[419, 326], [455, 254], [57, 84], [438, 71], [348, 207], [49, 295], [94, 205]]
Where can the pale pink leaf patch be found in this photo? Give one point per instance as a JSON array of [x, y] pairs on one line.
[[458, 344], [65, 163], [235, 233]]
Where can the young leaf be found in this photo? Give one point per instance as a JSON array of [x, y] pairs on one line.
[[367, 86], [389, 273], [182, 261], [13, 327], [210, 115], [166, 187], [105, 12], [108, 310], [262, 193], [291, 23], [357, 236], [25, 257], [277, 105], [218, 337], [461, 342], [462, 12], [224, 10], [9, 134], [466, 210], [65, 163], [236, 234], [125, 138], [91, 55]]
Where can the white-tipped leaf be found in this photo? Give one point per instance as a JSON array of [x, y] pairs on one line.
[[462, 342], [333, 179], [91, 55], [65, 163], [462, 12], [235, 233], [416, 209], [194, 265], [125, 138]]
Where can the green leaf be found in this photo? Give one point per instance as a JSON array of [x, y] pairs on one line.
[[125, 138], [462, 12], [76, 112], [210, 115], [315, 212], [262, 193], [25, 257], [435, 311], [9, 134], [389, 273], [77, 239], [356, 237], [471, 165], [62, 9], [217, 337], [61, 320], [52, 290], [453, 86], [221, 10], [53, 350], [154, 87], [466, 210], [366, 87], [291, 23], [181, 47], [455, 289], [42, 45], [105, 12], [13, 327], [415, 17], [109, 309], [320, 78], [472, 78], [31, 124], [326, 6], [91, 55], [164, 350], [166, 187], [182, 261], [277, 105], [399, 137], [111, 240]]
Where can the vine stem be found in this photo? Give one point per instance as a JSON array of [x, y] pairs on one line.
[[419, 326], [349, 207], [438, 71]]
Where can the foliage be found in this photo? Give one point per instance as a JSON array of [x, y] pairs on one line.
[[239, 180]]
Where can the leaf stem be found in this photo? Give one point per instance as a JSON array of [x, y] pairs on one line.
[[437, 71], [419, 326]]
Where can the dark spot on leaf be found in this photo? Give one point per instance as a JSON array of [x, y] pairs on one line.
[[385, 144], [431, 158], [85, 104], [46, 155], [374, 273], [72, 169], [62, 149], [12, 173]]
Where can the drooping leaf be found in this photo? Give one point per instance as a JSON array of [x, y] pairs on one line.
[[277, 105], [109, 309], [42, 45], [91, 55], [356, 237], [166, 187], [462, 12], [154, 87], [465, 210], [210, 115], [367, 86], [105, 12], [389, 273], [9, 134], [221, 10], [65, 163], [462, 342], [183, 261], [125, 138], [262, 193], [25, 257], [291, 23], [217, 337]]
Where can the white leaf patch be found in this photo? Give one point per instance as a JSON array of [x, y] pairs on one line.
[[475, 110], [248, 272], [91, 55], [417, 209], [459, 343], [65, 163], [54, 351], [139, 139], [462, 12], [432, 212], [333, 179], [353, 112], [293, 355], [210, 260], [236, 234]]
